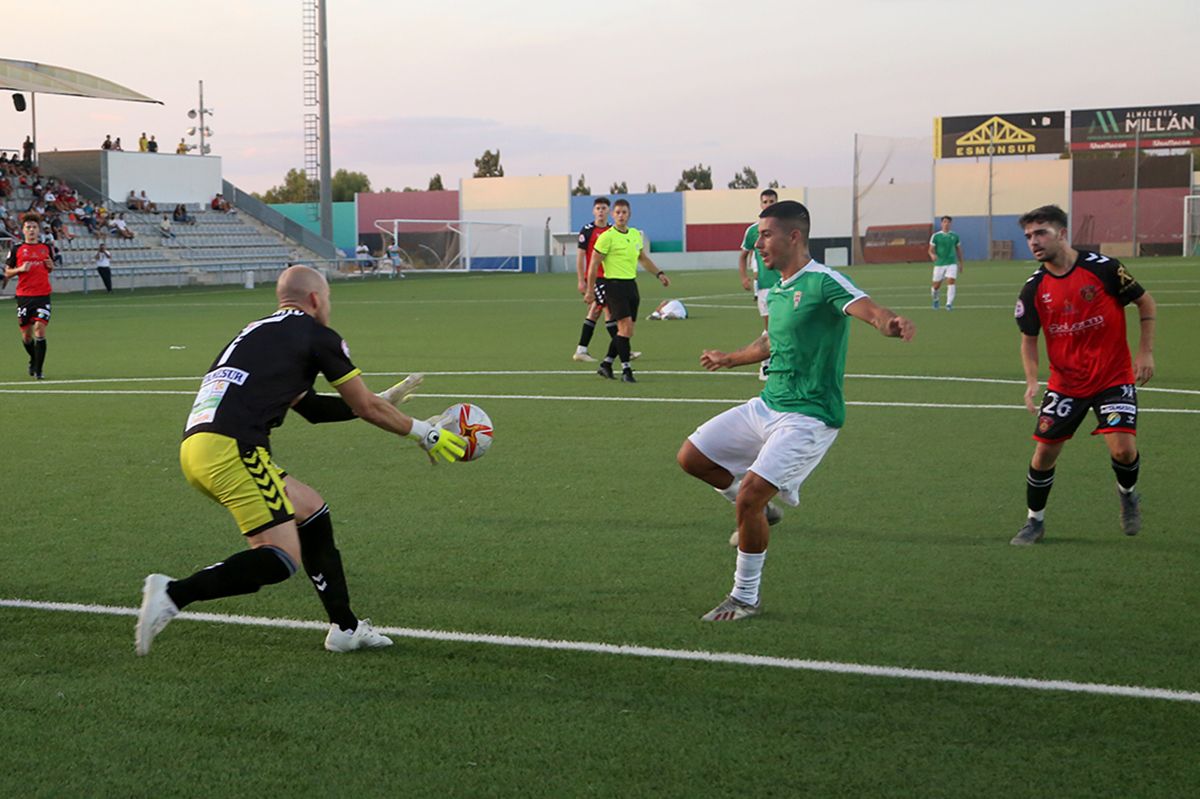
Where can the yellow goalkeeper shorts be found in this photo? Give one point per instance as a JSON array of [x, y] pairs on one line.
[[244, 480]]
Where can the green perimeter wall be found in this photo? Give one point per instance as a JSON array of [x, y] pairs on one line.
[[345, 226]]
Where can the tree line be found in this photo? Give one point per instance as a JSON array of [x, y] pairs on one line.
[[298, 188]]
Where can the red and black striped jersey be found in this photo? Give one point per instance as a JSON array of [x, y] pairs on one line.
[[587, 242], [1083, 316]]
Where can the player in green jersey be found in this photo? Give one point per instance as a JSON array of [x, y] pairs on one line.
[[945, 250], [771, 444], [764, 278]]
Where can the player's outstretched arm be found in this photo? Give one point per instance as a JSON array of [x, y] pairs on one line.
[[438, 443], [1143, 362], [885, 320], [754, 352]]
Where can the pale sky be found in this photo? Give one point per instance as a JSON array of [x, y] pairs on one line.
[[620, 91]]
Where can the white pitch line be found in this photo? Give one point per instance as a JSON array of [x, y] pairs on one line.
[[795, 664], [585, 373], [567, 398]]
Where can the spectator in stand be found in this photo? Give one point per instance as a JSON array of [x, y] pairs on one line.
[[219, 203], [5, 185], [152, 144], [108, 142], [180, 215], [58, 229], [86, 215], [132, 202], [181, 148], [27, 150], [117, 144], [164, 228], [143, 143], [147, 205], [121, 227], [103, 264]]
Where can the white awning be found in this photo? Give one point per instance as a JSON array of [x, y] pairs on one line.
[[27, 76]]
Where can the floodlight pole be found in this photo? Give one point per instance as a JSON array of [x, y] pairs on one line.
[[201, 128], [326, 197], [1137, 159]]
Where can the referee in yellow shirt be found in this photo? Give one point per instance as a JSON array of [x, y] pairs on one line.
[[620, 250]]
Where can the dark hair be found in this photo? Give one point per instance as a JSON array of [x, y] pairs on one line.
[[600, 201], [31, 216], [792, 214], [769, 193], [621, 203], [947, 218], [1047, 213]]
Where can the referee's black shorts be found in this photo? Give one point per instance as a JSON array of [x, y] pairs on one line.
[[623, 297]]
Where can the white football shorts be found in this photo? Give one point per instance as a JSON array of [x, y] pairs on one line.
[[940, 273], [781, 448], [761, 296]]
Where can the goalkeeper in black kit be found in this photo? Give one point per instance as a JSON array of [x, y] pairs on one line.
[[267, 369]]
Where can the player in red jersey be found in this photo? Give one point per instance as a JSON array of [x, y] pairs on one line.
[[31, 263], [587, 244], [1078, 299]]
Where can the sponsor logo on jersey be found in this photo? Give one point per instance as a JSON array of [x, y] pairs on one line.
[[1118, 408], [1088, 292], [1046, 298], [227, 373], [796, 299], [345, 349], [1113, 418], [1074, 327], [1019, 311]]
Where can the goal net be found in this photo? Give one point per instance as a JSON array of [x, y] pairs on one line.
[[451, 245], [892, 191], [1191, 225]]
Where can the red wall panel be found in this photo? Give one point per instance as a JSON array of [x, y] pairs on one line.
[[716, 238], [405, 205], [1107, 215]]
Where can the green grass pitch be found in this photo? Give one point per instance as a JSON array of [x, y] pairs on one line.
[[578, 526]]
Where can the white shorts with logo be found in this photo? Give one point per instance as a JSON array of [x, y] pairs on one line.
[[761, 296], [781, 448], [940, 273]]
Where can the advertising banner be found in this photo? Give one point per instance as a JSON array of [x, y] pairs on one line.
[[1026, 133], [1148, 127]]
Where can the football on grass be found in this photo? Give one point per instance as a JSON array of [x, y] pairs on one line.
[[474, 425]]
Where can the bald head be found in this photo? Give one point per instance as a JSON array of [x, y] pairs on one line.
[[305, 288]]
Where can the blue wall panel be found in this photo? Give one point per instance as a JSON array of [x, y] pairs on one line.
[[659, 215], [973, 232]]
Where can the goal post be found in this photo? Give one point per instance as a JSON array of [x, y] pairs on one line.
[[452, 245], [1191, 225]]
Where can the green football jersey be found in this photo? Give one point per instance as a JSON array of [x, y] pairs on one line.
[[809, 330], [945, 248], [766, 277]]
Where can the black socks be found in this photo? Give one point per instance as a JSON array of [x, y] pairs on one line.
[[242, 573], [323, 564]]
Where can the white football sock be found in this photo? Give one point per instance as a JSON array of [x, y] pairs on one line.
[[1037, 515], [579, 348], [731, 492], [748, 576], [950, 294]]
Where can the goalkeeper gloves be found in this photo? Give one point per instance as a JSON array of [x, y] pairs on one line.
[[402, 391], [438, 443]]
